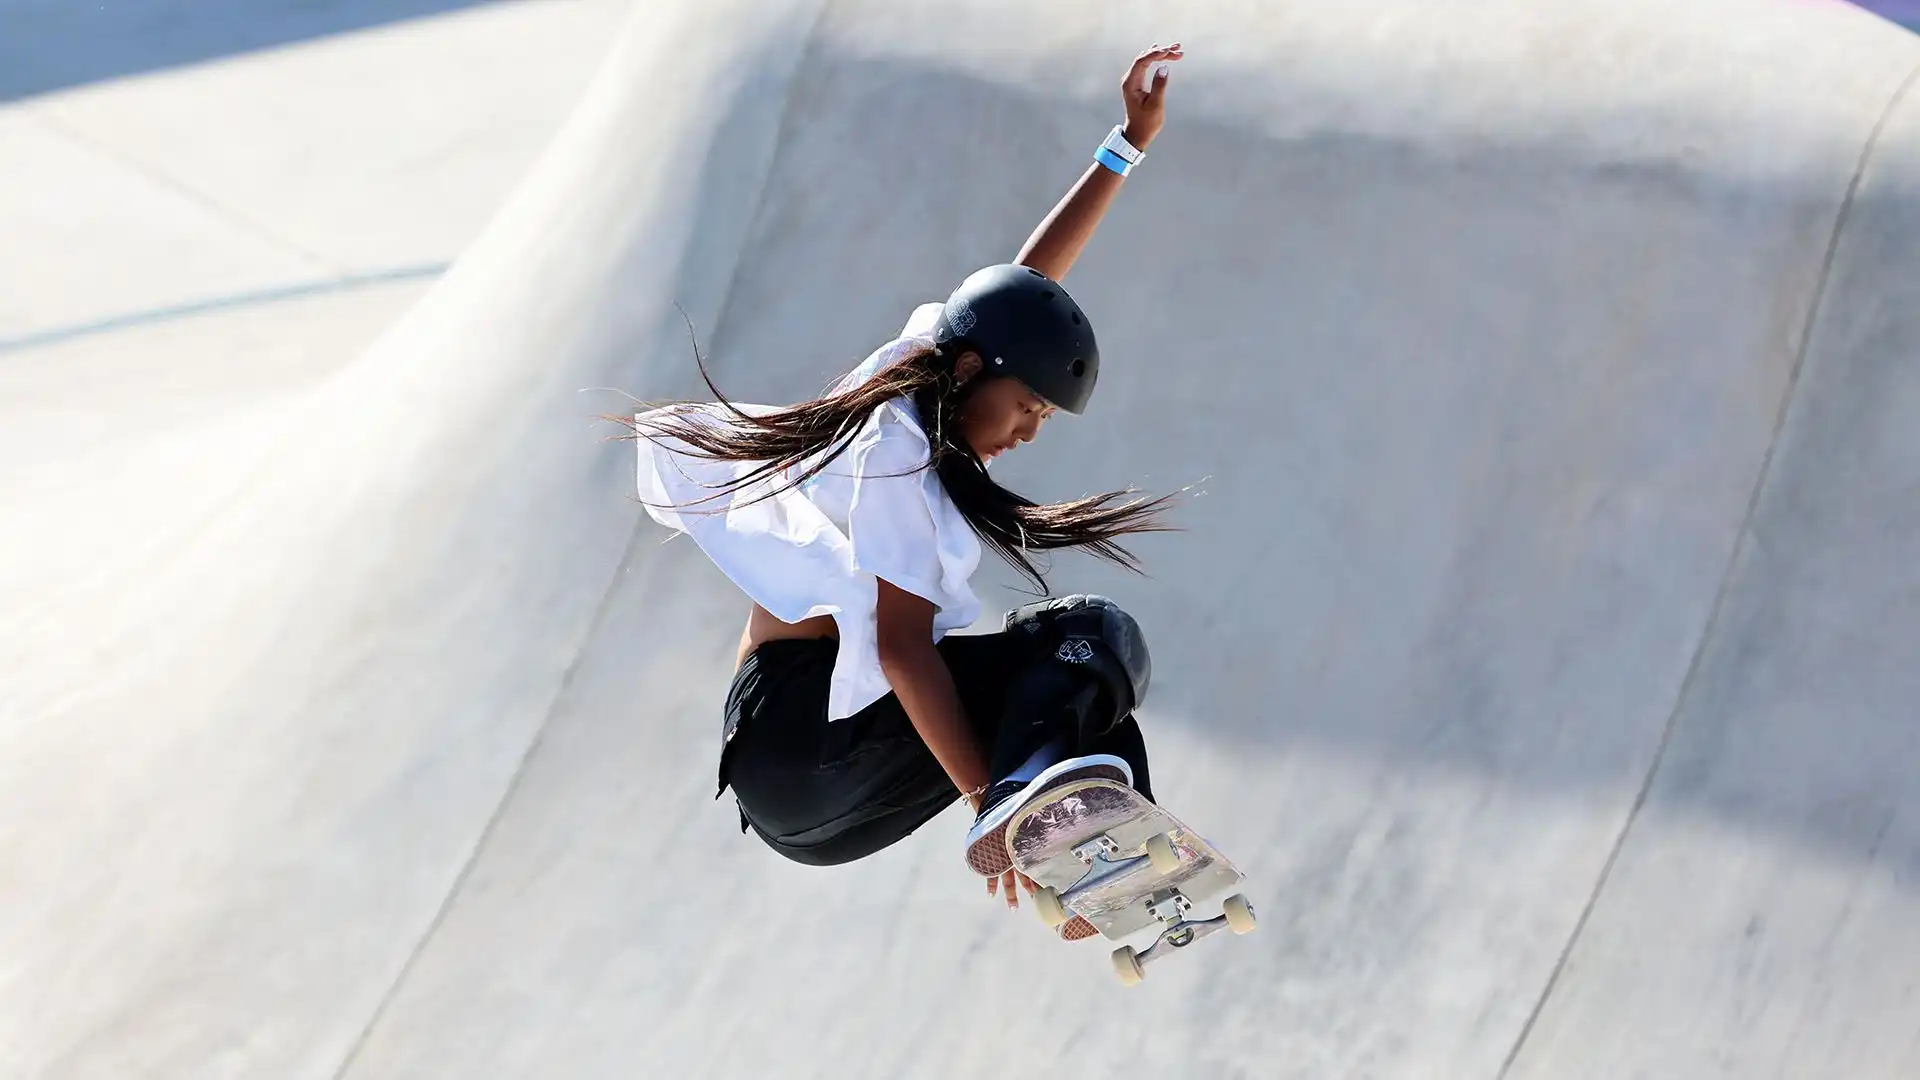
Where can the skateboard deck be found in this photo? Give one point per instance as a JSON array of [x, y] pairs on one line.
[[1100, 850]]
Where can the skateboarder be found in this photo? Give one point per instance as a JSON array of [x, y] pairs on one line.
[[854, 523]]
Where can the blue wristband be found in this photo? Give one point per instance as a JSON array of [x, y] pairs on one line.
[[1112, 161]]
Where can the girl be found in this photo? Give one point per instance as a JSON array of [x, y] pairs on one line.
[[854, 522]]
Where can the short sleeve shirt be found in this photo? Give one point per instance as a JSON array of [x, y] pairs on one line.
[[874, 513]]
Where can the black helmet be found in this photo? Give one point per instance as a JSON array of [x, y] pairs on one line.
[[1023, 324]]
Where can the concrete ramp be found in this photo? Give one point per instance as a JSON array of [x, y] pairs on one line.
[[1543, 637]]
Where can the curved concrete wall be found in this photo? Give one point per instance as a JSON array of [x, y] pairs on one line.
[[1538, 641]]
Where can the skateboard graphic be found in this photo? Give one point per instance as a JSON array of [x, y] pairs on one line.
[[1100, 850]]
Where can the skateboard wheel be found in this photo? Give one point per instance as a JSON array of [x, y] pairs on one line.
[[1046, 901], [1161, 854], [1126, 965], [1239, 914]]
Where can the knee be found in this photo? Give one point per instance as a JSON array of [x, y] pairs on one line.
[[1093, 631]]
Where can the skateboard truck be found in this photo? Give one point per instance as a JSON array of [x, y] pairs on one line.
[[1181, 935], [1171, 910], [1101, 847], [1104, 858]]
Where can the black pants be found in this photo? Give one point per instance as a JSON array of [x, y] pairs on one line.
[[824, 793]]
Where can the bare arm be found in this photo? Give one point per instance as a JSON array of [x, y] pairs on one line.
[[920, 679], [1064, 232], [1055, 245]]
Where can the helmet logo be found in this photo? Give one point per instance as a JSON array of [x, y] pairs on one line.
[[961, 317]]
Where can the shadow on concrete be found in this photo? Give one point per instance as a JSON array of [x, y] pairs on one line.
[[1469, 502], [48, 45]]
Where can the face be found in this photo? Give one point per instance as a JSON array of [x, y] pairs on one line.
[[1000, 413]]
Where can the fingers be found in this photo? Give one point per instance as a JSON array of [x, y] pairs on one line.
[[1006, 883], [1157, 51], [1155, 55], [994, 883]]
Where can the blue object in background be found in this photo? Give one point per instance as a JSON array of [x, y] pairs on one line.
[[1904, 12], [48, 45]]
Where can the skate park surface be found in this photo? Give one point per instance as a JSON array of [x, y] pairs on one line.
[[1540, 638]]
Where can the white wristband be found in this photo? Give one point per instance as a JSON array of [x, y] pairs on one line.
[[1117, 142]]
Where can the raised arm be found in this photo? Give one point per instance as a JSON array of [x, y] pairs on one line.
[[1064, 232]]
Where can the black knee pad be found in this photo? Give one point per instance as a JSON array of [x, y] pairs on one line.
[[1093, 633]]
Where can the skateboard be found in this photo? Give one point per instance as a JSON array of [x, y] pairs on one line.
[[1100, 850]]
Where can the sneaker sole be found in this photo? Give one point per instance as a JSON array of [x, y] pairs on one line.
[[988, 856], [1077, 929]]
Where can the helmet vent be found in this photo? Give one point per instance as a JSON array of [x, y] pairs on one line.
[[1076, 318], [1079, 368]]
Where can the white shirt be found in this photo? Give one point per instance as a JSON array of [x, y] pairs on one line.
[[874, 513]]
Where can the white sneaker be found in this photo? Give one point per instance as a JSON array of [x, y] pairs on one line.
[[987, 840]]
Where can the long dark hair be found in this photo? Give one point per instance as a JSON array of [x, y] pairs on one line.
[[812, 434]]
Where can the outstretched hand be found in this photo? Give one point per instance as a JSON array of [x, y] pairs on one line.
[[1147, 101]]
